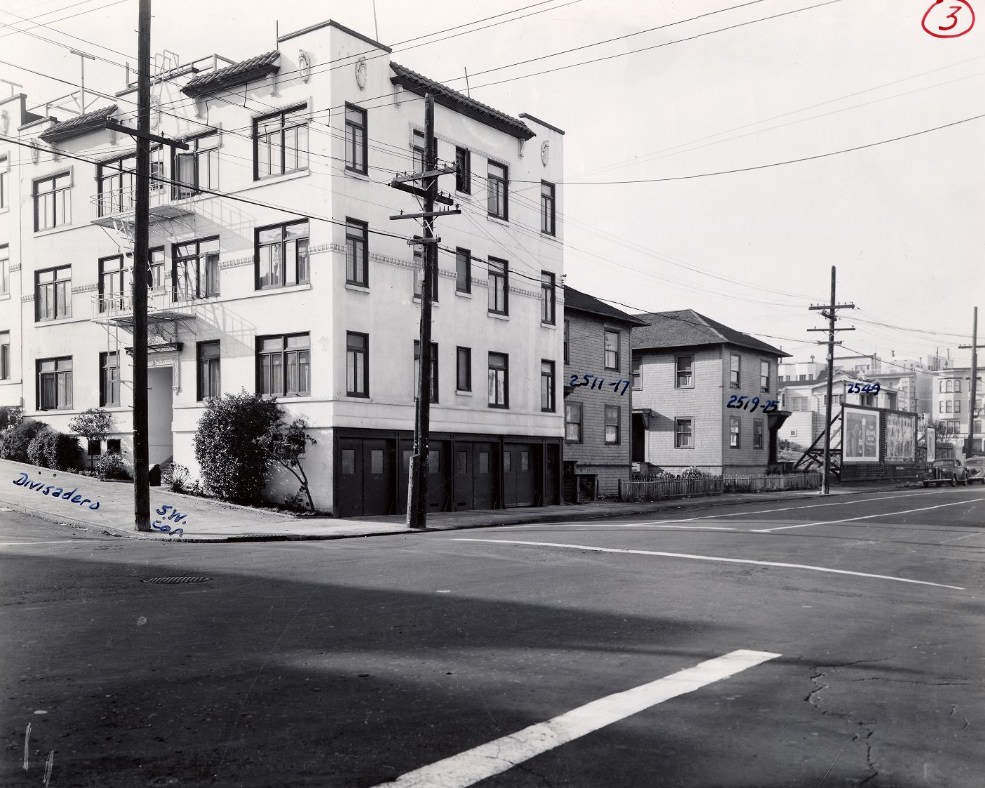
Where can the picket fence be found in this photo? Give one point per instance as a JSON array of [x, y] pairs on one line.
[[662, 489]]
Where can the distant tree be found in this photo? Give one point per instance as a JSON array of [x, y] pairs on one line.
[[93, 424], [285, 444]]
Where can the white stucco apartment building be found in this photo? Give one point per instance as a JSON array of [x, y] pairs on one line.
[[276, 268]]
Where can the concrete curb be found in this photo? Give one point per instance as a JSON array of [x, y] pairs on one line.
[[569, 514]]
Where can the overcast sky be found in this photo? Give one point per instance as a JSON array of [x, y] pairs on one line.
[[904, 221]]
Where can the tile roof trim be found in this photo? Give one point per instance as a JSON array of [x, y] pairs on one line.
[[543, 123], [232, 76], [459, 102], [77, 126]]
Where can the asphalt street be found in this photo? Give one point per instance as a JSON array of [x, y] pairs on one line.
[[819, 642]]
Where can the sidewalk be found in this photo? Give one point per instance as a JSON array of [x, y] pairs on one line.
[[107, 507]]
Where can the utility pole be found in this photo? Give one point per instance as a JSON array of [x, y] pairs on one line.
[[417, 490], [831, 314], [974, 383]]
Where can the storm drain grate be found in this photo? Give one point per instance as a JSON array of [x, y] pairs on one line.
[[177, 579]]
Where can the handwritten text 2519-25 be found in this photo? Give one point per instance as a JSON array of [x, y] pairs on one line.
[[743, 402]]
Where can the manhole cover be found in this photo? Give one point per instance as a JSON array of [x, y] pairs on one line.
[[179, 579]]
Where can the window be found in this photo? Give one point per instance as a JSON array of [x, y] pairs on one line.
[[957, 387], [463, 369], [4, 188], [195, 269], [957, 406], [498, 289], [757, 434], [611, 349], [55, 383], [685, 372], [355, 139], [417, 153], [498, 176], [198, 167], [572, 422], [684, 433], [764, 376], [356, 252], [940, 406], [949, 407], [547, 208], [155, 270], [567, 332], [4, 269], [463, 270], [463, 170], [637, 373], [419, 256], [734, 377], [547, 297], [281, 255], [4, 355], [53, 293], [280, 143], [612, 414], [207, 384], [111, 293], [356, 364], [284, 365], [109, 379], [547, 386], [115, 181], [434, 370], [52, 201], [734, 432], [499, 380]]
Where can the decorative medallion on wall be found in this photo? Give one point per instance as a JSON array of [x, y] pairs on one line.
[[361, 73], [545, 152], [4, 121], [35, 154], [304, 65]]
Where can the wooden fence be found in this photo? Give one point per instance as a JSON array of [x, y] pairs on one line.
[[662, 489]]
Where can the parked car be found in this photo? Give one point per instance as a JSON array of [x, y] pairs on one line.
[[975, 466], [949, 471]]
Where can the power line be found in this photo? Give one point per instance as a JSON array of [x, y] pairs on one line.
[[772, 164], [64, 18]]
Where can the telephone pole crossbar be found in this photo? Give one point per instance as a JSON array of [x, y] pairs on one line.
[[829, 311]]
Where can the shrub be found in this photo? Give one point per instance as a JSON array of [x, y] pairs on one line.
[[692, 473], [113, 466], [286, 444], [53, 449], [176, 477], [10, 417], [18, 438], [229, 446]]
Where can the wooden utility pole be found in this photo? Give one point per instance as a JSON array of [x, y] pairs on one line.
[[832, 316], [141, 243], [417, 489], [970, 452]]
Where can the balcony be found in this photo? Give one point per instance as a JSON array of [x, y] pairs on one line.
[[113, 208], [163, 306]]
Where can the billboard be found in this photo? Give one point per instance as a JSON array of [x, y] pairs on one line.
[[931, 444], [859, 435], [901, 437]]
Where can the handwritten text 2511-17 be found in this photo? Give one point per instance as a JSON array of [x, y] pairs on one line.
[[594, 382]]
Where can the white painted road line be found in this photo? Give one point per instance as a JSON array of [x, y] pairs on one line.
[[500, 755], [712, 558], [28, 544], [864, 517]]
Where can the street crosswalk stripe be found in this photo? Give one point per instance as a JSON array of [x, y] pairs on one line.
[[500, 755], [712, 558]]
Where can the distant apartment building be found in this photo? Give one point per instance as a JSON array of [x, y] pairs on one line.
[[598, 396], [688, 369], [953, 407], [275, 268]]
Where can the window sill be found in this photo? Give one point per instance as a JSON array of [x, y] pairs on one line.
[[356, 288], [434, 301], [463, 293], [359, 176], [277, 290], [54, 230], [4, 296], [498, 220], [59, 322], [545, 324], [462, 393], [499, 407], [266, 180], [498, 316]]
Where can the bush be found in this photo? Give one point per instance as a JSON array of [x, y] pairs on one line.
[[53, 449], [229, 445], [18, 438], [176, 477], [692, 473], [10, 417], [113, 466]]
